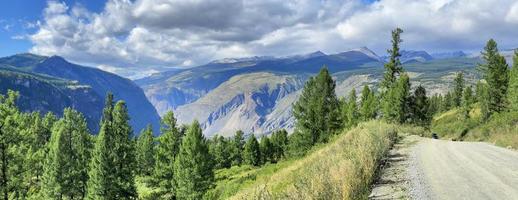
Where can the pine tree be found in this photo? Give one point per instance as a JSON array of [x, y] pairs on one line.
[[396, 106], [513, 84], [252, 152], [145, 152], [101, 180], [192, 167], [317, 110], [350, 113], [124, 152], [65, 174], [483, 94], [420, 106], [496, 73], [467, 101], [447, 101], [219, 149], [458, 89], [368, 104], [279, 142], [236, 148], [266, 149], [167, 148], [8, 138], [393, 68]]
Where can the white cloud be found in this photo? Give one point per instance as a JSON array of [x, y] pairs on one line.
[[153, 34]]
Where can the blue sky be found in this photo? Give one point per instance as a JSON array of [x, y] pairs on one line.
[[143, 36], [17, 15]]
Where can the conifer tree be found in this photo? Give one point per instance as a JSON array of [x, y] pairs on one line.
[[8, 138], [368, 104], [420, 106], [145, 152], [396, 106], [467, 101], [483, 94], [513, 84], [317, 110], [236, 148], [279, 142], [496, 73], [266, 149], [219, 149], [167, 148], [393, 67], [193, 167], [458, 89], [101, 180], [350, 113], [252, 152], [65, 174], [124, 152]]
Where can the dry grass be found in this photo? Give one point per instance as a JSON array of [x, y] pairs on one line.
[[343, 169]]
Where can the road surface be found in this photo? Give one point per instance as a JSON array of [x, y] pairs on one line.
[[439, 169]]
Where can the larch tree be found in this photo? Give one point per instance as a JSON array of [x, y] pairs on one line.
[[458, 89], [145, 152], [167, 148], [496, 73], [236, 148], [252, 152], [317, 111], [266, 148], [368, 104], [393, 67], [124, 152], [65, 174], [193, 170]]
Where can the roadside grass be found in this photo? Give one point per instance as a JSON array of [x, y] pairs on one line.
[[500, 129], [341, 169]]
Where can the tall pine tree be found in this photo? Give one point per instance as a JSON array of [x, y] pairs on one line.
[[236, 148], [167, 148], [368, 104], [317, 110], [393, 67], [193, 167], [145, 152], [350, 113], [124, 152], [252, 152], [496, 73], [458, 89]]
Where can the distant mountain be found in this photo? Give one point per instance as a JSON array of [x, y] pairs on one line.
[[100, 82], [444, 55], [256, 95]]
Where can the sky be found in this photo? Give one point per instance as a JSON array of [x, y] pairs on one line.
[[139, 37]]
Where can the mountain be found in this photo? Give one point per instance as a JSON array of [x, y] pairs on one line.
[[256, 95], [97, 81], [453, 54], [415, 56]]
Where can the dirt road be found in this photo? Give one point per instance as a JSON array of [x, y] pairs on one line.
[[438, 169]]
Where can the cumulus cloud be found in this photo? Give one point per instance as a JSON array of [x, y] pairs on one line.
[[148, 35]]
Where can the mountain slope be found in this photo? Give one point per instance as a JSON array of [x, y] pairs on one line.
[[141, 111]]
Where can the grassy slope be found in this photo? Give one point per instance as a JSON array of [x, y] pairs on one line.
[[341, 169], [501, 129]]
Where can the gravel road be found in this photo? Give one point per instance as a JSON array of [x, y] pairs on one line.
[[440, 169]]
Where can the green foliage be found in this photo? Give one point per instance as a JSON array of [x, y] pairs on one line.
[[145, 152], [236, 148], [317, 111], [279, 141], [266, 148], [167, 148], [396, 106], [369, 104], [252, 152], [420, 107], [192, 167], [496, 73], [220, 151], [393, 68], [467, 101], [350, 115], [513, 84], [65, 174], [458, 89]]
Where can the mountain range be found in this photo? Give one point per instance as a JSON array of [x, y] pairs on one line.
[[52, 83], [253, 94]]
